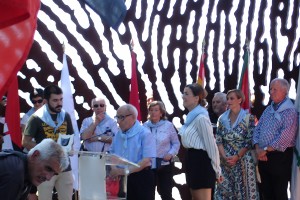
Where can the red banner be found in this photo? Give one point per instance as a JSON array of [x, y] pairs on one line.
[[134, 88], [201, 74], [17, 26]]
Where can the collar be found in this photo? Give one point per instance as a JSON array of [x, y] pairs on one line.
[[276, 106]]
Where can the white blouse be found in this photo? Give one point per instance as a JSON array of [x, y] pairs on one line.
[[199, 135]]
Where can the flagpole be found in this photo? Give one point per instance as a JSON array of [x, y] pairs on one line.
[[247, 49], [68, 106], [64, 47], [203, 45]]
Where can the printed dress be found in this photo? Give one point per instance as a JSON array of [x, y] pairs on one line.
[[239, 180]]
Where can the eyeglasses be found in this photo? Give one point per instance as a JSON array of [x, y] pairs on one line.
[[37, 101], [97, 105], [121, 117]]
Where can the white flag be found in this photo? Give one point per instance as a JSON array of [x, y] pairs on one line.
[[68, 105], [295, 183]]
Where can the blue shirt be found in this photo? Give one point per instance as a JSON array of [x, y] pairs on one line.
[[277, 128], [166, 138], [102, 128], [137, 147]]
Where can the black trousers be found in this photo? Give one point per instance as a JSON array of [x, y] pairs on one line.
[[164, 181], [275, 174], [141, 186]]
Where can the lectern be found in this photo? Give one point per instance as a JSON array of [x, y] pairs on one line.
[[95, 176]]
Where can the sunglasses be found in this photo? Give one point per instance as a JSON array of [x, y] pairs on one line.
[[37, 101], [97, 105]]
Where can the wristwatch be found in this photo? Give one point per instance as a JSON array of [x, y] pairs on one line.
[[266, 148], [99, 138]]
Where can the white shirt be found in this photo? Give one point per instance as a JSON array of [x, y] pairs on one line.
[[199, 135]]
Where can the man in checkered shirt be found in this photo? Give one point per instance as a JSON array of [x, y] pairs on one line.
[[274, 139]]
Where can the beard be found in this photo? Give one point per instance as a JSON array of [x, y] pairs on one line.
[[56, 109]]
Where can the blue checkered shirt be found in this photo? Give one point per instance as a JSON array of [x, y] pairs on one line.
[[278, 131]]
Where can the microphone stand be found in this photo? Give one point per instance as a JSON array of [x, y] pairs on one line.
[[104, 143], [82, 142]]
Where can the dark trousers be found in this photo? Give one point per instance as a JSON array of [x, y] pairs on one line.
[[164, 181], [275, 174], [140, 185]]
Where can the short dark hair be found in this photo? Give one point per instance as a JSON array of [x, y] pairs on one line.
[[51, 89], [37, 92]]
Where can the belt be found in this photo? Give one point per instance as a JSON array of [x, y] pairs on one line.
[[280, 152]]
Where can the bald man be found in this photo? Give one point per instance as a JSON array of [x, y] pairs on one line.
[[135, 143]]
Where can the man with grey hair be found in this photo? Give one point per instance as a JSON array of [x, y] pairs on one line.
[[274, 138], [18, 171], [50, 121], [219, 106], [98, 130], [135, 143]]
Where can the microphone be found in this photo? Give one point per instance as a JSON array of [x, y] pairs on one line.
[[108, 130]]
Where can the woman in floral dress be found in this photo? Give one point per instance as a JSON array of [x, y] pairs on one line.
[[234, 136]]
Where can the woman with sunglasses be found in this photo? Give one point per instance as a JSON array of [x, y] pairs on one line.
[[98, 130]]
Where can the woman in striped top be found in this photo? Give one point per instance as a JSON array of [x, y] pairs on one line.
[[202, 155]]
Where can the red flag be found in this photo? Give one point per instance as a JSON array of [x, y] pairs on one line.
[[244, 81], [201, 74], [13, 11], [134, 89], [17, 26], [12, 114]]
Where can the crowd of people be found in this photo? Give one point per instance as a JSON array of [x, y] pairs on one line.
[[225, 151]]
